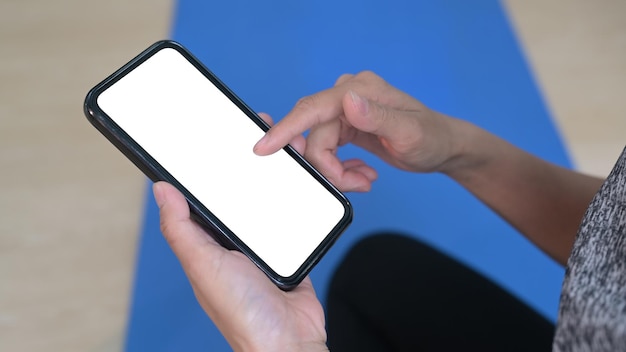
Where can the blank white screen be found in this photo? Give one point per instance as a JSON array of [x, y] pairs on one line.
[[196, 133]]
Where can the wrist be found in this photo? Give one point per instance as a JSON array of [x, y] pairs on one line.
[[280, 340], [297, 347], [309, 347], [468, 151]]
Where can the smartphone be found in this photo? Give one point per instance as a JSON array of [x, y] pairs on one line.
[[179, 123]]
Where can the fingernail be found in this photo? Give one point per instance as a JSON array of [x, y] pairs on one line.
[[361, 103]]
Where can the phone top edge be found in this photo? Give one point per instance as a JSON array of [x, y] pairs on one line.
[[118, 74], [156, 172]]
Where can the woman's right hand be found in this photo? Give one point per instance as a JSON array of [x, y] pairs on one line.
[[365, 110], [545, 202]]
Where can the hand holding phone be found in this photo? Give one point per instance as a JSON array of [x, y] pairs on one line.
[[178, 123], [246, 307]]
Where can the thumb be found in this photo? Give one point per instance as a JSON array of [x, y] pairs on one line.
[[188, 241], [370, 117]]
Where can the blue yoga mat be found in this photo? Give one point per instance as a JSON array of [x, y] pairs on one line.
[[459, 57]]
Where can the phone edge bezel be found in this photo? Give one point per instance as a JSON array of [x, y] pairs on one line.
[[153, 170]]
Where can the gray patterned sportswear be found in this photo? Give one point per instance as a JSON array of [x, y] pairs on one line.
[[592, 312]]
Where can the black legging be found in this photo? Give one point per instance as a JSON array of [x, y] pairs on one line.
[[392, 293]]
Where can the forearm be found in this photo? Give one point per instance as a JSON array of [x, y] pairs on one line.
[[545, 202]]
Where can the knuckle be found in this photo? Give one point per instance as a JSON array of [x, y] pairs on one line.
[[306, 103], [368, 76], [167, 232], [163, 224], [166, 228], [343, 78], [312, 155], [385, 115]]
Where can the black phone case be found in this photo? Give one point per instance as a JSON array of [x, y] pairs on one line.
[[200, 213]]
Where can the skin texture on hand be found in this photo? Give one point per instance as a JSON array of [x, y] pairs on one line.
[[366, 111], [543, 201], [250, 311]]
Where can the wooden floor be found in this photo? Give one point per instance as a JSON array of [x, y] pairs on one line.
[[71, 205], [577, 50]]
